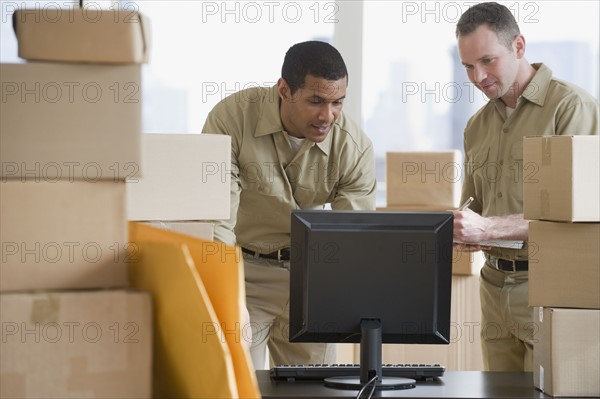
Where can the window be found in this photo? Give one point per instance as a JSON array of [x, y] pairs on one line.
[[416, 95], [203, 51]]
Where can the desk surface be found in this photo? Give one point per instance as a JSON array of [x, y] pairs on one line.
[[454, 384]]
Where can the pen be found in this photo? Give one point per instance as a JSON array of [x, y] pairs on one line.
[[466, 204]]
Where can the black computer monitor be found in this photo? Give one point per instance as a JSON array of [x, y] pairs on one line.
[[370, 277]]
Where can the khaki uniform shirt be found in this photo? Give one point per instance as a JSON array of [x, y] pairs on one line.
[[268, 181], [494, 143]]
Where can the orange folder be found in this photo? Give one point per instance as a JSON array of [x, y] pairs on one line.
[[199, 301]]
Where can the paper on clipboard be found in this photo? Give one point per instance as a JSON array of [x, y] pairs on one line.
[[511, 244]]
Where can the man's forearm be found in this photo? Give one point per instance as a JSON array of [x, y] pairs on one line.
[[508, 227]]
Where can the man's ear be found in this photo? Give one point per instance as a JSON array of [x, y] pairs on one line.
[[283, 89], [519, 46]]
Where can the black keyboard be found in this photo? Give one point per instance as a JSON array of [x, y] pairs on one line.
[[322, 371]]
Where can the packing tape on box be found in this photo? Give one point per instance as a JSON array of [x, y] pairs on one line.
[[45, 310], [546, 151]]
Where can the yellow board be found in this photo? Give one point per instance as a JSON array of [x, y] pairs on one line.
[[218, 270]]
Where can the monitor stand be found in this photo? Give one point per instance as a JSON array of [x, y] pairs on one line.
[[370, 363]]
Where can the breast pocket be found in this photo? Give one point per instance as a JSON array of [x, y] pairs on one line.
[[262, 181], [314, 184]]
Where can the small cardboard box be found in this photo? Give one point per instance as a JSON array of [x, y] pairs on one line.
[[70, 122], [186, 177], [564, 264], [63, 235], [561, 178], [88, 34], [430, 179], [203, 230], [566, 352], [467, 263], [78, 344]]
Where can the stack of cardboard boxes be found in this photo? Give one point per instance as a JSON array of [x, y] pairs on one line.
[[70, 133], [431, 181], [561, 197]]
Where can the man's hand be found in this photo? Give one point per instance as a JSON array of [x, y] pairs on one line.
[[470, 247], [470, 227]]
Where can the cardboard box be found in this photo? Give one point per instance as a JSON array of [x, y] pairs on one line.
[[566, 352], [88, 34], [203, 230], [62, 235], [467, 263], [424, 178], [186, 177], [70, 122], [561, 178], [564, 264], [79, 344]]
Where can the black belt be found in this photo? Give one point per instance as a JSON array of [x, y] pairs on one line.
[[281, 255], [507, 265]]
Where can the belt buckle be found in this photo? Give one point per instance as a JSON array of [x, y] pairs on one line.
[[514, 264], [496, 263]]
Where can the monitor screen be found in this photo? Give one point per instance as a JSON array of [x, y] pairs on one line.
[[353, 267]]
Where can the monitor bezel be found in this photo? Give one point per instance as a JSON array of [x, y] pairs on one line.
[[435, 224]]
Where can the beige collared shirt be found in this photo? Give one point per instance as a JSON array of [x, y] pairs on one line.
[[494, 143], [268, 181]]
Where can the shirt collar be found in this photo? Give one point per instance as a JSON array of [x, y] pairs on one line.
[[269, 120], [537, 89]]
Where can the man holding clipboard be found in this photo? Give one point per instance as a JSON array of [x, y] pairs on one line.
[[524, 100]]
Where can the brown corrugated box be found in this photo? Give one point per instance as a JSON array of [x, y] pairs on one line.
[[561, 178], [88, 34], [70, 122], [185, 177], [431, 179], [63, 235], [467, 263], [564, 264], [566, 352], [79, 344]]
